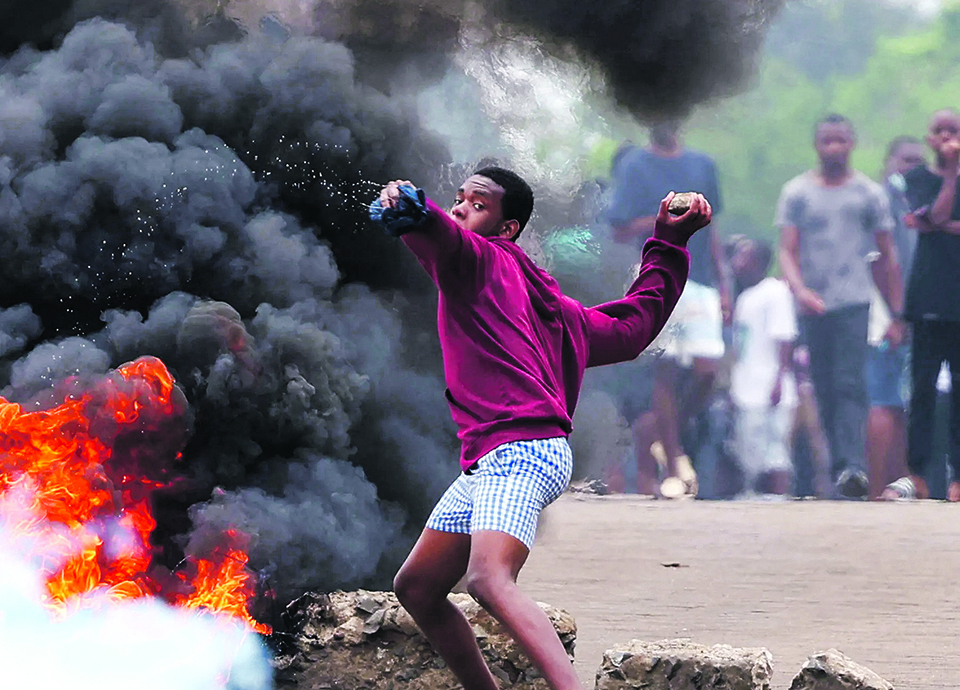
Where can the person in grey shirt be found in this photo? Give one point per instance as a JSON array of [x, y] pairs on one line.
[[830, 219]]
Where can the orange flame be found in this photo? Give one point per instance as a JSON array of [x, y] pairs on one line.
[[89, 519], [216, 586]]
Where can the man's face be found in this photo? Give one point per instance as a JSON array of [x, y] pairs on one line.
[[834, 142], [906, 157], [944, 127], [477, 207]]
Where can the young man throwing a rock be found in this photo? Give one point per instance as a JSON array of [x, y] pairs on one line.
[[514, 350]]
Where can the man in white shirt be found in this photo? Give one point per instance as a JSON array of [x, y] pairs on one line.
[[762, 383]]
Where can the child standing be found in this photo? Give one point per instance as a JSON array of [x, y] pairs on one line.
[[762, 383]]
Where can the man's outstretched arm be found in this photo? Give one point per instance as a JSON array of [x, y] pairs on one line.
[[619, 331], [443, 248]]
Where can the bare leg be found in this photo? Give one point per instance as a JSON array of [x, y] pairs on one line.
[[897, 458], [778, 482], [696, 395], [665, 408], [644, 435], [495, 562], [433, 568], [880, 437], [808, 420], [613, 477]]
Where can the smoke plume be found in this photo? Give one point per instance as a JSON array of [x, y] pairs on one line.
[[136, 230], [187, 179]]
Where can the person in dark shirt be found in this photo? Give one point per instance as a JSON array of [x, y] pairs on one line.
[[642, 176], [932, 305], [692, 345], [887, 367]]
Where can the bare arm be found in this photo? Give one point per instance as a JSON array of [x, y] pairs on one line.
[[942, 208], [790, 258], [890, 266], [452, 256], [785, 352], [808, 300], [922, 224], [619, 331], [724, 277]]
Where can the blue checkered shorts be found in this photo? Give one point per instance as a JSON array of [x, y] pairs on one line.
[[506, 490]]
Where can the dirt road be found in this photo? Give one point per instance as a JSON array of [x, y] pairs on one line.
[[880, 582]]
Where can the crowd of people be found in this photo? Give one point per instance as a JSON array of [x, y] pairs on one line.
[[799, 359], [819, 365]]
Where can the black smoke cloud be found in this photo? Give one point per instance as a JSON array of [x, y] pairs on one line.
[[18, 325], [660, 59], [194, 209], [176, 184]]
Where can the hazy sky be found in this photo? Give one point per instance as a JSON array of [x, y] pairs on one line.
[[924, 5]]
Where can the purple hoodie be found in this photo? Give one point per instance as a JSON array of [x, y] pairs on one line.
[[515, 347]]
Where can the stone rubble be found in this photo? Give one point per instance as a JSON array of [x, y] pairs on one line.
[[364, 639], [833, 670], [683, 665]]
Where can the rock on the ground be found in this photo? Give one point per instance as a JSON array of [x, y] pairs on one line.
[[589, 486], [683, 665], [833, 670], [362, 639]]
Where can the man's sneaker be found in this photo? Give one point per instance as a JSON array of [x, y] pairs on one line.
[[853, 484]]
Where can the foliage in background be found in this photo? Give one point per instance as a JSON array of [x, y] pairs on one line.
[[873, 61]]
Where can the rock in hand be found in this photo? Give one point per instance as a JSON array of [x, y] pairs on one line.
[[680, 203]]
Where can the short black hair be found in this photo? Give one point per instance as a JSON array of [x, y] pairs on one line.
[[952, 112], [833, 119], [899, 141], [517, 201], [763, 254]]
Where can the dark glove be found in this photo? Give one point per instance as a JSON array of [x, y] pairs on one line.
[[409, 214]]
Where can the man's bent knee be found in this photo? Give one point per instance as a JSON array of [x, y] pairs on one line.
[[403, 586], [485, 586], [416, 592], [480, 587]]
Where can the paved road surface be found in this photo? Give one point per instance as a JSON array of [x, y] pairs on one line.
[[881, 582]]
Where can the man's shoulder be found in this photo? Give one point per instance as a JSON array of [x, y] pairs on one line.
[[504, 249], [634, 156], [777, 291], [698, 156], [868, 188], [799, 183], [770, 290], [864, 181], [511, 257]]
